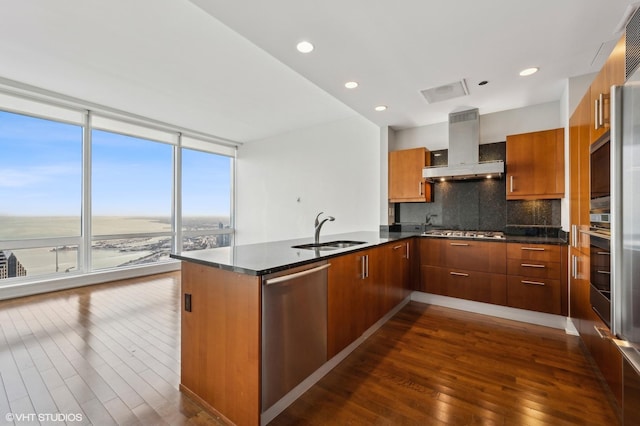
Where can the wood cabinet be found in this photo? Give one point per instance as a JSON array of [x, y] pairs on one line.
[[525, 276], [220, 365], [406, 183], [579, 177], [535, 165], [612, 73], [347, 299], [466, 269], [537, 277], [599, 341], [588, 124], [362, 287]]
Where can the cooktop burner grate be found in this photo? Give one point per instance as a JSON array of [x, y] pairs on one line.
[[448, 233]]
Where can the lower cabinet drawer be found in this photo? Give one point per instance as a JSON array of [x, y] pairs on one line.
[[477, 286], [538, 269], [534, 294]]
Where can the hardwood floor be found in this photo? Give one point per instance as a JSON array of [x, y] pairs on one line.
[[431, 365], [110, 353]]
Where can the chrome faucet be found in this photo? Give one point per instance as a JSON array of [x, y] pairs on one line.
[[319, 225]]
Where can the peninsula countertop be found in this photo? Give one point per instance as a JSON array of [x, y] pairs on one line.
[[267, 258]]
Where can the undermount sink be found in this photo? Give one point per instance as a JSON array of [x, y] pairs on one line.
[[331, 245]]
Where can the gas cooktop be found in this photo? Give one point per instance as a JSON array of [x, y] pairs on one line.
[[447, 233]]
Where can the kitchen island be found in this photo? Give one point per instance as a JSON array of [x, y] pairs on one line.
[[223, 313]]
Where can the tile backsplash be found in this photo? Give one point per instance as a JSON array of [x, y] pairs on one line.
[[480, 204]]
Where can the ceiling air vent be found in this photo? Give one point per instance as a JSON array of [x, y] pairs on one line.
[[446, 92], [632, 54]]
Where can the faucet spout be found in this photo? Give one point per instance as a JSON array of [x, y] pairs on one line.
[[318, 225]]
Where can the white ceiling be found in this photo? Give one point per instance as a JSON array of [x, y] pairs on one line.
[[230, 68]]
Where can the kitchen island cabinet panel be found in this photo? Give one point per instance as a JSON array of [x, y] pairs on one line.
[[220, 356]]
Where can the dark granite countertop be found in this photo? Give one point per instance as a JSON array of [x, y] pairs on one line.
[[266, 258]]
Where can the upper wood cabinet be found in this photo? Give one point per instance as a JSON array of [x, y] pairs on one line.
[[535, 165], [406, 183], [612, 73]]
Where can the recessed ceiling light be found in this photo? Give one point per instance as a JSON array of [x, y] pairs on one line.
[[528, 71], [381, 108], [351, 84], [304, 47], [483, 82]]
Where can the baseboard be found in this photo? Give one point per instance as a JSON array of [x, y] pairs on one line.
[[522, 315], [80, 280]]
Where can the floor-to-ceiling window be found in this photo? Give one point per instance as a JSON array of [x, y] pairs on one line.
[[206, 200], [40, 195], [131, 192], [83, 192]]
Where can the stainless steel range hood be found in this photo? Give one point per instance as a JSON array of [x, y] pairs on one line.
[[464, 145]]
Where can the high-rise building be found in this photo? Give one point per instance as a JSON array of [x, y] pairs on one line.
[[10, 266]]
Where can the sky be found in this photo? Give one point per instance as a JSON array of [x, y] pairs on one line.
[[41, 173]]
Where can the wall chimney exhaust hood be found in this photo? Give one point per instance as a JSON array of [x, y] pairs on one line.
[[464, 145]]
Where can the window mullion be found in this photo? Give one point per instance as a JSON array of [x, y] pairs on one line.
[[85, 248]]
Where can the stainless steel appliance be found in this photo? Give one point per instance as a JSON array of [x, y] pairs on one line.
[[600, 170], [294, 328], [449, 233], [600, 268], [625, 212], [600, 233]]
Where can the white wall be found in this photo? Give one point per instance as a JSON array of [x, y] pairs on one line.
[[494, 127], [334, 167]]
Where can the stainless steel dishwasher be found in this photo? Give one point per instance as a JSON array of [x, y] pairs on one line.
[[294, 328]]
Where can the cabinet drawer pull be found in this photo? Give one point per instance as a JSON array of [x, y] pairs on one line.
[[531, 265], [602, 332], [596, 118], [603, 253], [398, 247], [459, 244], [532, 282], [459, 274], [511, 183], [604, 272], [532, 248]]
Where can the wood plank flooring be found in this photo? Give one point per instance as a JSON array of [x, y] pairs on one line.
[[110, 353]]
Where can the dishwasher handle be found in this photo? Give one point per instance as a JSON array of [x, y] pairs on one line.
[[295, 275]]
